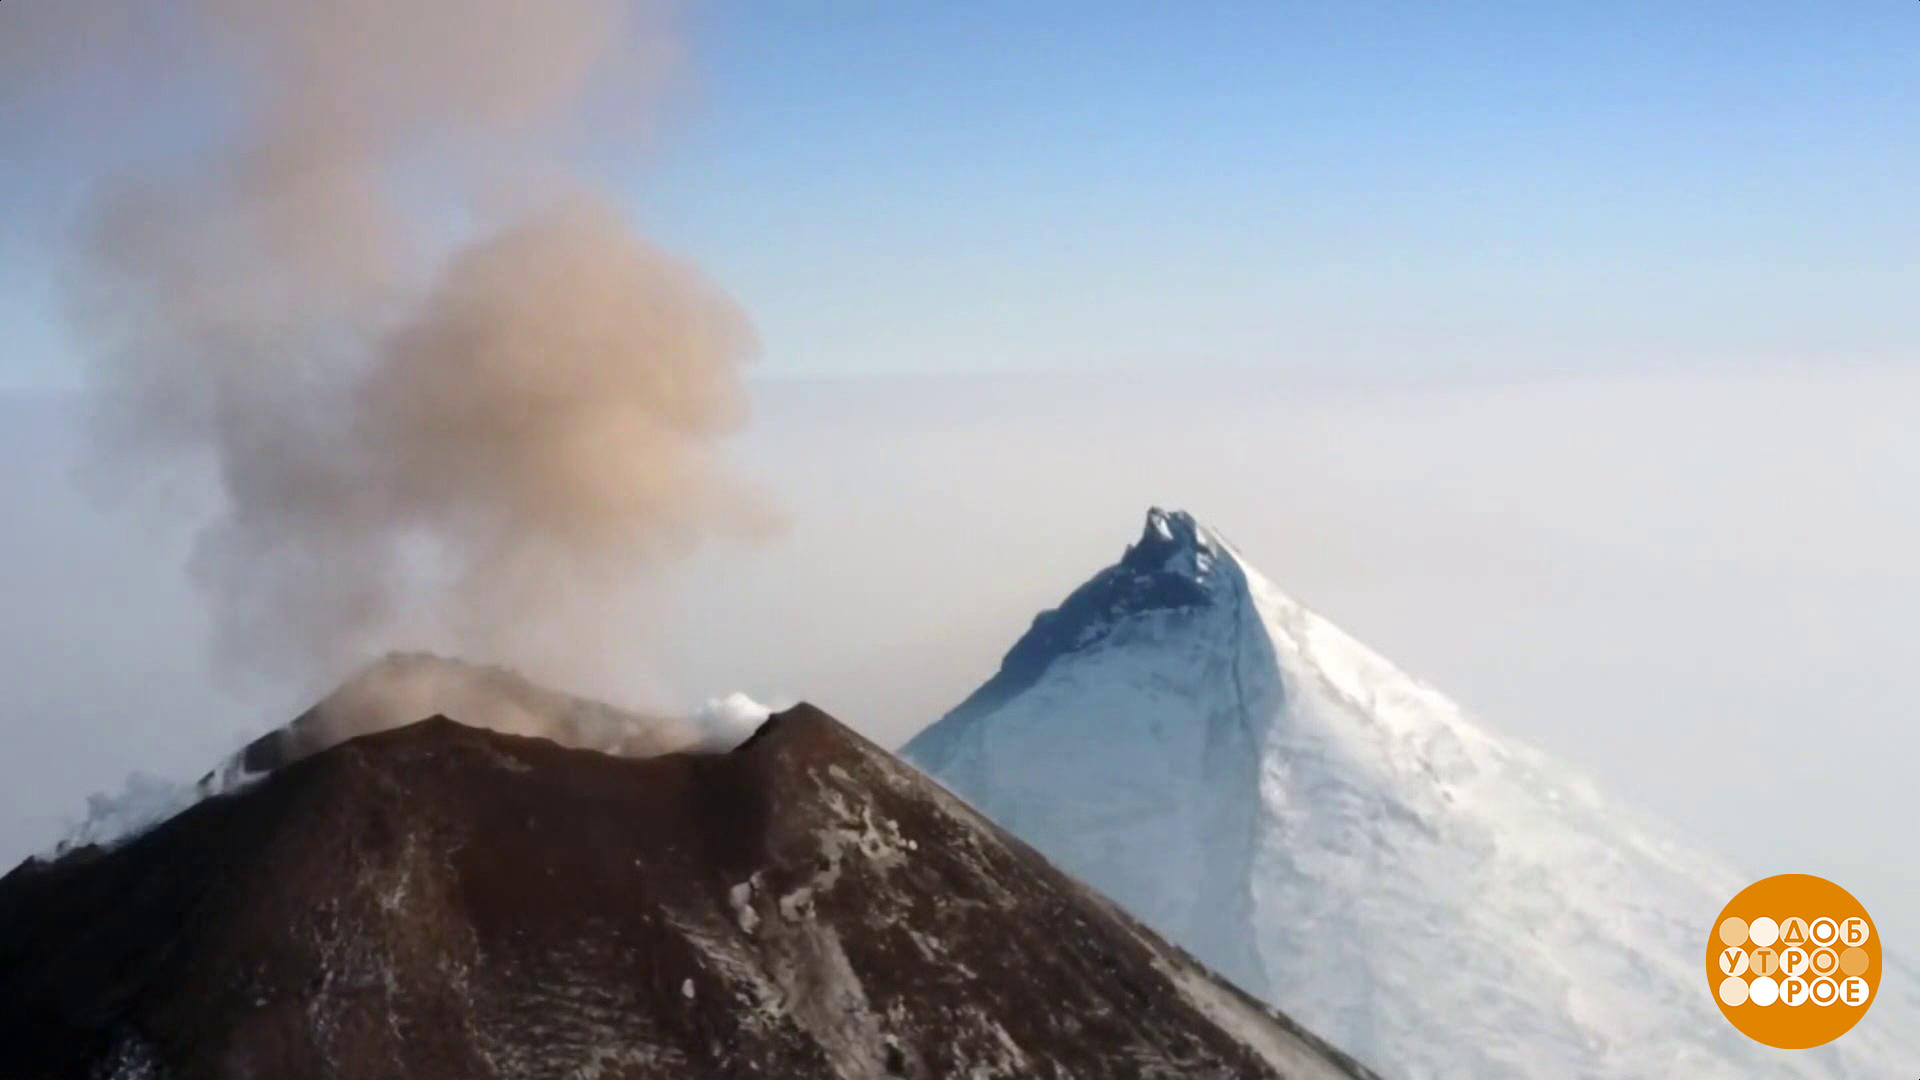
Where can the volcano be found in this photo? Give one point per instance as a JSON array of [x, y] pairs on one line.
[[439, 901], [1340, 839]]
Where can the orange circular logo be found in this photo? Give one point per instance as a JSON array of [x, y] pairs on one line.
[[1793, 961]]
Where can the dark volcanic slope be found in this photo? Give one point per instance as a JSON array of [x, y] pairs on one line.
[[443, 902]]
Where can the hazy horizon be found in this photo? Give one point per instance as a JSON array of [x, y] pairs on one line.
[[1636, 574]]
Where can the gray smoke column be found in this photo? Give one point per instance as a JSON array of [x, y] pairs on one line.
[[450, 395]]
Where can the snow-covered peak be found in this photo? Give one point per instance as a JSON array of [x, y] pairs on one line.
[[1338, 836]]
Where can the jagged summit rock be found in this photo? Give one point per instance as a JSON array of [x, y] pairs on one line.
[[440, 901], [1169, 569], [1342, 840]]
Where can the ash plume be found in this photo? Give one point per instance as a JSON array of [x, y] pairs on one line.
[[449, 394]]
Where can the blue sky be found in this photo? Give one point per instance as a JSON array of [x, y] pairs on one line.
[[1338, 189], [1324, 185]]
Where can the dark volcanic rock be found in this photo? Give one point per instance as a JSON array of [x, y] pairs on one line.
[[444, 902]]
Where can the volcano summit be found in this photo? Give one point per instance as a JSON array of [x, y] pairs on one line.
[[437, 902]]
